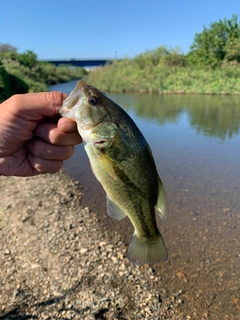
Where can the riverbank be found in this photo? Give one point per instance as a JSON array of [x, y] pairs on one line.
[[57, 261], [132, 76]]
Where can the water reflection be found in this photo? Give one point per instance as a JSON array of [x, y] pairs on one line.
[[216, 116]]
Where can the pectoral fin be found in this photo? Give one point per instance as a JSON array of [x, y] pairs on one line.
[[161, 202], [106, 163], [114, 211]]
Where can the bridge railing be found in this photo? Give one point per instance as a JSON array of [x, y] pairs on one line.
[[81, 63]]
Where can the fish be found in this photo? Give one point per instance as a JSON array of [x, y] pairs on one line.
[[122, 162]]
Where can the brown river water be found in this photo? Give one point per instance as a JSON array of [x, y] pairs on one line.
[[195, 140]]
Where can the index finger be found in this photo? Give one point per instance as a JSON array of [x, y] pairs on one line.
[[36, 106]]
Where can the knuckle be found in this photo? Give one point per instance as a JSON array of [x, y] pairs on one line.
[[15, 102], [54, 98]]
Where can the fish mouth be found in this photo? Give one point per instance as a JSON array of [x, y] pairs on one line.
[[73, 101]]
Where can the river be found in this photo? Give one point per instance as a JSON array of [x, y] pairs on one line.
[[195, 140]]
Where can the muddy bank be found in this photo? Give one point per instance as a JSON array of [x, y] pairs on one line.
[[58, 261]]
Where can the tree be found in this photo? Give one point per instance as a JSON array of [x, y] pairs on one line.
[[10, 84], [6, 47], [218, 43], [28, 58], [161, 55]]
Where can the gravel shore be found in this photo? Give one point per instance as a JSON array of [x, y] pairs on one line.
[[57, 261]]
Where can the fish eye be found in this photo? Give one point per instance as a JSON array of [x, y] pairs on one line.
[[93, 100]]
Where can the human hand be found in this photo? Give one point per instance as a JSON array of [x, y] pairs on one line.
[[33, 138]]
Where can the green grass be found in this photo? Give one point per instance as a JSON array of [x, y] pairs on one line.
[[129, 75]]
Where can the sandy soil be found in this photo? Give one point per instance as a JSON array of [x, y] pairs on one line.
[[58, 261]]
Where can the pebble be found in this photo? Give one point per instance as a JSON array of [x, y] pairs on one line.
[[83, 250]]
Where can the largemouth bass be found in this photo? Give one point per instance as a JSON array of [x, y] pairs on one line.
[[122, 161]]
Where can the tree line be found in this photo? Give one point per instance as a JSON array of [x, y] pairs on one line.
[[213, 47], [23, 72]]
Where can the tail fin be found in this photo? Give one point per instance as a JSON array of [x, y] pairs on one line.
[[147, 251]]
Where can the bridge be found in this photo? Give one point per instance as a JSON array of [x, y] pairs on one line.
[[80, 63]]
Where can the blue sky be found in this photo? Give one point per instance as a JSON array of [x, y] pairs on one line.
[[106, 29]]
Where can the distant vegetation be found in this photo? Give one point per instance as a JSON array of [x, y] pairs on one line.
[[212, 66], [21, 73]]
